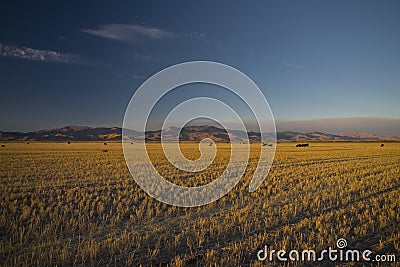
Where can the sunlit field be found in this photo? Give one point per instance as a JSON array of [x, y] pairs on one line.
[[65, 204]]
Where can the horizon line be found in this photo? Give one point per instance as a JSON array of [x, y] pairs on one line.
[[206, 125]]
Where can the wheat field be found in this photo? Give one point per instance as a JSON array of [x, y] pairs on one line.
[[77, 204]]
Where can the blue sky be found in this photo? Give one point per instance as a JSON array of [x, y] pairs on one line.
[[75, 62]]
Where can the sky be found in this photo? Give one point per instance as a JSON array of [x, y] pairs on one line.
[[322, 65]]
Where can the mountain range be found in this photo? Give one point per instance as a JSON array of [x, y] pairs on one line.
[[188, 133]]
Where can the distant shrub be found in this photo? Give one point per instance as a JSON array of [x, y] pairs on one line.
[[302, 145]]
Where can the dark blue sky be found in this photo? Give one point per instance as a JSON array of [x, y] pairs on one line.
[[76, 62]]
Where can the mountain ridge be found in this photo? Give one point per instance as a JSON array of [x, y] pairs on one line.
[[188, 133]]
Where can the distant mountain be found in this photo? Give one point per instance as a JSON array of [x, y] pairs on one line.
[[196, 133], [78, 133], [318, 136], [189, 133]]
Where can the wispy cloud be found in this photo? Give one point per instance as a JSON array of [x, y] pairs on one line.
[[40, 55], [292, 65], [133, 33], [128, 32], [142, 57], [137, 77], [192, 35], [131, 76]]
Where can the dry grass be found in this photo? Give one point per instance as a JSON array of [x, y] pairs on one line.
[[75, 204]]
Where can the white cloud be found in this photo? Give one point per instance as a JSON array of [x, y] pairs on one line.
[[128, 32], [132, 33], [39, 55]]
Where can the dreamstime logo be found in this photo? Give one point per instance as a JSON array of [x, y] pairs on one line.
[[155, 88], [342, 253]]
